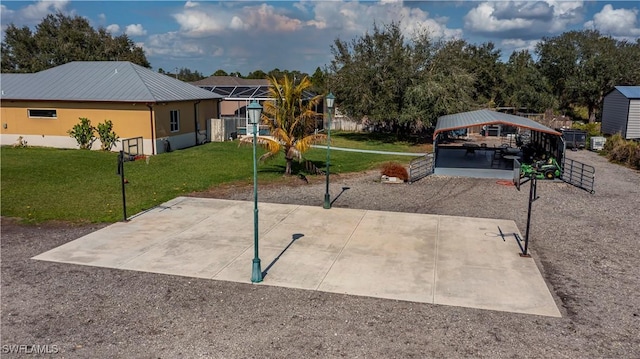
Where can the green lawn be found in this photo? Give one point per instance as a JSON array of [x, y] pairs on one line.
[[42, 184], [380, 142]]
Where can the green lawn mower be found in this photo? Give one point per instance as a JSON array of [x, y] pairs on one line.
[[546, 169]]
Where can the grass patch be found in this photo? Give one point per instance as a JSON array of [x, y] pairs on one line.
[[42, 184], [380, 142]]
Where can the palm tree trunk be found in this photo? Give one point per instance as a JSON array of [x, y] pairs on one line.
[[289, 165]]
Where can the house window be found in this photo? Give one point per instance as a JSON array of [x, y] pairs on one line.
[[175, 121], [37, 113]]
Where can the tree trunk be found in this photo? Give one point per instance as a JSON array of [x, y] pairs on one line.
[[289, 165]]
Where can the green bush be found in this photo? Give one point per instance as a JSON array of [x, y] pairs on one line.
[[619, 150], [612, 142], [83, 132], [635, 161], [108, 138], [593, 129]]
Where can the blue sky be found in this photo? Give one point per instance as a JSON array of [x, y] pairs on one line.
[[296, 35]]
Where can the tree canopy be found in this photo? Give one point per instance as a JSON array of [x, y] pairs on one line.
[[404, 85], [582, 66], [60, 39]]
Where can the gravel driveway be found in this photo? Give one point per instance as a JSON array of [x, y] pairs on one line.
[[585, 245]]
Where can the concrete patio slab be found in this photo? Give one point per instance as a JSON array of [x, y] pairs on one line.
[[405, 256]]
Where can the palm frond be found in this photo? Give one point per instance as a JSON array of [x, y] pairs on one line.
[[267, 156], [305, 143], [264, 142], [282, 135]]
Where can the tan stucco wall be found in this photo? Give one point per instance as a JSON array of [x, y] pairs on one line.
[[129, 120], [229, 108]]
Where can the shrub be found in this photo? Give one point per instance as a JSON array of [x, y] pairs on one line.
[[108, 138], [83, 132], [593, 129], [394, 169], [619, 150], [635, 161], [612, 142]]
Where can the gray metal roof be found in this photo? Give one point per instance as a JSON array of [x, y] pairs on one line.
[[486, 117], [108, 81], [630, 92]]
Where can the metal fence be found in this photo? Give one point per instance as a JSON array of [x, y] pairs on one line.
[[578, 174], [132, 146], [420, 167]]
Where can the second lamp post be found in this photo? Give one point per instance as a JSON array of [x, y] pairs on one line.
[[255, 111], [329, 102]]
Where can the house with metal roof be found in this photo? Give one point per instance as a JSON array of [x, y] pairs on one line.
[[151, 110], [621, 112]]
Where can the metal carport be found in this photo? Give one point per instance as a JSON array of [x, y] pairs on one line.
[[449, 160]]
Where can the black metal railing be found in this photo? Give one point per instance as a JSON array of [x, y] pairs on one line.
[[420, 167], [578, 174]]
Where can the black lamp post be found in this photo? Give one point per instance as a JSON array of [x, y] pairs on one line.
[[329, 102], [255, 111]]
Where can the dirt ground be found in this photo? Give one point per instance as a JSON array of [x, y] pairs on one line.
[[586, 246]]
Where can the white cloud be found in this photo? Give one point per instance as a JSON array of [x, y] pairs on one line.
[[198, 23], [266, 18], [113, 28], [525, 19], [615, 22], [191, 4], [216, 19], [565, 13], [238, 24], [510, 45], [5, 14], [173, 45], [354, 19], [35, 12], [135, 30], [286, 37], [31, 14]]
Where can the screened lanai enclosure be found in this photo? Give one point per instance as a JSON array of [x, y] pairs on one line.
[[237, 94], [485, 144]]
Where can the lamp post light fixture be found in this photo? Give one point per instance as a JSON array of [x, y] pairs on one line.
[[255, 112], [329, 102]]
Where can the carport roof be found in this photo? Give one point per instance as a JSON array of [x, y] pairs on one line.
[[487, 117]]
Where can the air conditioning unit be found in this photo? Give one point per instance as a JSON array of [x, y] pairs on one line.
[[597, 143]]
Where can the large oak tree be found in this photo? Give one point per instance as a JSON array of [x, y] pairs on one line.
[[60, 39], [583, 66]]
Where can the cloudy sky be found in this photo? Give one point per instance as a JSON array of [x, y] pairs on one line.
[[296, 35]]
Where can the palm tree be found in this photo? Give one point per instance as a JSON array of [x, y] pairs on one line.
[[291, 121]]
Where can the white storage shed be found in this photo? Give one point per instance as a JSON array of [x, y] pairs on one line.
[[621, 112]]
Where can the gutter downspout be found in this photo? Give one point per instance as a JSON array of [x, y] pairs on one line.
[[195, 119], [153, 140]]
